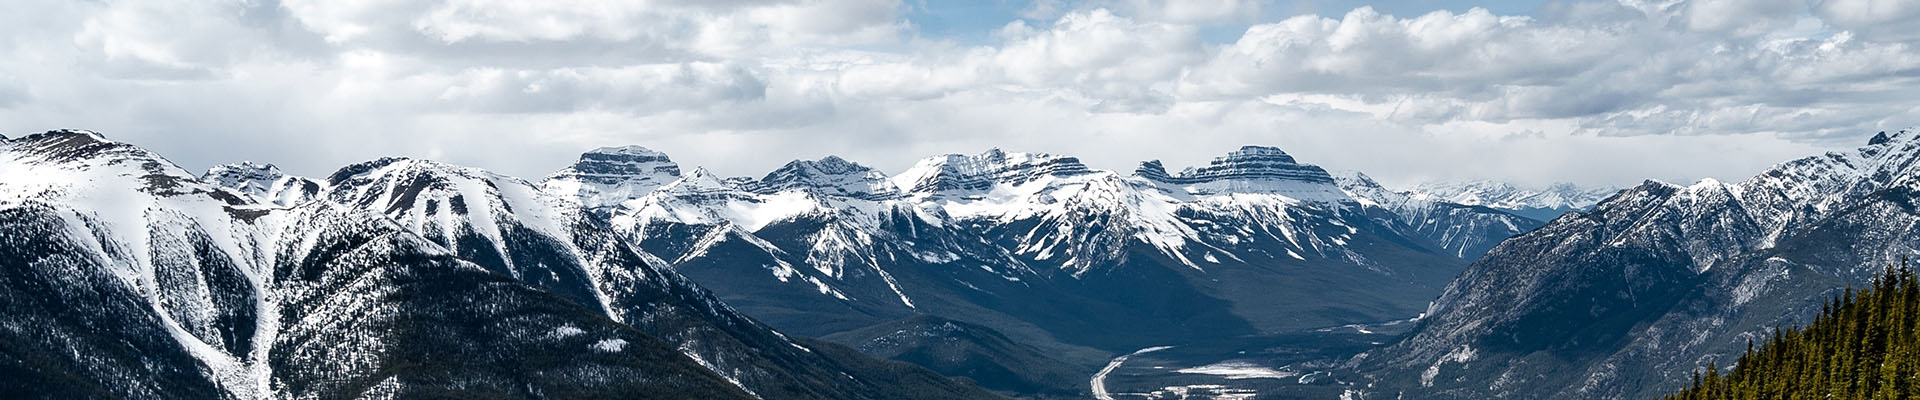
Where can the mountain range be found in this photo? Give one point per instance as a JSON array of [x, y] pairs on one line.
[[1076, 263], [1626, 300], [247, 282], [964, 276], [127, 277], [1537, 202]]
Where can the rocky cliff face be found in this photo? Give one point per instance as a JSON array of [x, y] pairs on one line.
[[606, 176], [1251, 169]]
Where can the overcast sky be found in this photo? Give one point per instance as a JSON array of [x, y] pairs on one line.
[[1594, 92]]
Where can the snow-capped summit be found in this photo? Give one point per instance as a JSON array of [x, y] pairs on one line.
[[265, 182], [1543, 203], [963, 173], [54, 164], [91, 135], [608, 175], [1251, 169], [1364, 189], [112, 219], [242, 174], [1879, 138], [698, 181], [1466, 231], [702, 198], [830, 176], [473, 212]]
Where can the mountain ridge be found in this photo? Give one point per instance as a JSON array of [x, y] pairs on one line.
[[1537, 202], [1051, 252], [258, 299], [1030, 248], [1662, 277]]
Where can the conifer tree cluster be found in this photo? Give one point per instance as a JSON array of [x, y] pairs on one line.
[[1863, 345]]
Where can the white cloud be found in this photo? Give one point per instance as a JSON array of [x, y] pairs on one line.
[[1598, 91], [1890, 19], [1102, 55], [640, 89], [1366, 51], [1742, 17], [660, 29]]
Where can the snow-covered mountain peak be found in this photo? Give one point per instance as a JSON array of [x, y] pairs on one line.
[[90, 135], [1808, 187], [606, 176], [397, 186], [71, 144], [65, 158], [701, 198], [460, 208], [1898, 147], [961, 173], [245, 169], [1252, 169], [831, 176], [361, 173], [698, 181], [85, 170], [1252, 152], [1883, 137], [1355, 179], [632, 152], [1364, 189], [1554, 198], [392, 182], [126, 198], [264, 182]]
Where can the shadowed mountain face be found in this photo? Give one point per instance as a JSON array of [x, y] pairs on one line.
[[1075, 262], [127, 277], [1659, 280], [955, 348]]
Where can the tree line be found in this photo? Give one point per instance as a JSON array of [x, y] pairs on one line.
[[1863, 345]]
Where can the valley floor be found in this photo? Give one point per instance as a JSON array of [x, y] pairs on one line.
[[1099, 381], [1292, 365]]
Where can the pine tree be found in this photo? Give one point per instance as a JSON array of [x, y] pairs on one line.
[[1863, 345]]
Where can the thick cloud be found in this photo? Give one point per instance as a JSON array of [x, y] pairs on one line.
[[1596, 91], [1879, 19]]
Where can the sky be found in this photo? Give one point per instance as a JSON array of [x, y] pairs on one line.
[[1602, 92]]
